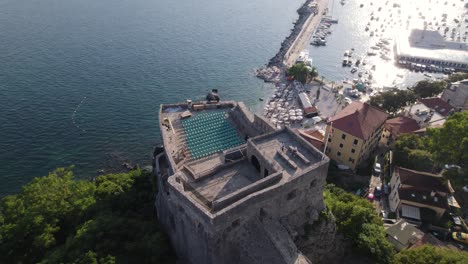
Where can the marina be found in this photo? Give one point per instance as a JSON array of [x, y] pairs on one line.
[[372, 59]]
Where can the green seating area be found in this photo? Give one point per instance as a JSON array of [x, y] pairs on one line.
[[208, 133]]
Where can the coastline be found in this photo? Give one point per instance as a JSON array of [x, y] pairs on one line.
[[292, 45]]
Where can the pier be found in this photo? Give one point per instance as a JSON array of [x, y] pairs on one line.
[[310, 14], [302, 39]]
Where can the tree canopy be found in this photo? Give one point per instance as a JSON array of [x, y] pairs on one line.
[[302, 73], [357, 220], [58, 219], [393, 100], [450, 143], [410, 151], [425, 88], [431, 255]]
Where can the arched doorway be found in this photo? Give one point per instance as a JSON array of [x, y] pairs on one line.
[[255, 163]]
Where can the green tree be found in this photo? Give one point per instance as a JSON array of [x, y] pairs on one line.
[[410, 151], [356, 220], [457, 77], [424, 88], [431, 255], [302, 73], [313, 73], [450, 143], [40, 217], [57, 219], [393, 100]]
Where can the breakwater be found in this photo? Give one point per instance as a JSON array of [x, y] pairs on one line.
[[274, 70], [305, 11]]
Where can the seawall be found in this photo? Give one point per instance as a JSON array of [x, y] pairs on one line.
[[309, 17]]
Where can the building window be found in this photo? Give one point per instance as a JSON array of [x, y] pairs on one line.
[[341, 145], [343, 136], [339, 153], [353, 150], [355, 142]]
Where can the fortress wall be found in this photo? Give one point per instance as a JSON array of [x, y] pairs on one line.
[[198, 234], [249, 189]]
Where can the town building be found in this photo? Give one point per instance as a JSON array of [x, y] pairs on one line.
[[403, 235], [353, 133], [231, 188], [396, 126], [429, 112], [314, 137], [456, 95], [429, 47], [412, 191]]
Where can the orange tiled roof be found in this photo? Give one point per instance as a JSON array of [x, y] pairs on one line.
[[359, 119], [439, 105], [401, 125]]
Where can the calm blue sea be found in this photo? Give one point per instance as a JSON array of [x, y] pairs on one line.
[[81, 80]]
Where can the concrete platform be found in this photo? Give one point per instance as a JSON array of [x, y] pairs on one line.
[[226, 181]]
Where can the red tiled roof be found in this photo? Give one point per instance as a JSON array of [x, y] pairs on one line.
[[428, 238], [423, 196], [421, 180], [438, 105], [314, 137], [359, 119], [400, 125]]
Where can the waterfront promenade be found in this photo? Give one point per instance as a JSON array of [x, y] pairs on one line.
[[303, 39]]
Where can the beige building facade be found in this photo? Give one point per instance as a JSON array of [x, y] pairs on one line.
[[355, 133]]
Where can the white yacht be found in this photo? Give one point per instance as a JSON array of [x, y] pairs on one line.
[[304, 58]]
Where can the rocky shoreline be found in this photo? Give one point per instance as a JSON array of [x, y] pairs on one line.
[[273, 71]]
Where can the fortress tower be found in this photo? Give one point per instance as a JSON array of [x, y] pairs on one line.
[[232, 189]]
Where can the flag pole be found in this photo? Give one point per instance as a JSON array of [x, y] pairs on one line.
[[326, 141]]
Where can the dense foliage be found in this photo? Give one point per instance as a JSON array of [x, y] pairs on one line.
[[357, 220], [393, 100], [302, 73], [457, 77], [431, 255], [424, 89], [411, 151], [57, 219], [448, 144]]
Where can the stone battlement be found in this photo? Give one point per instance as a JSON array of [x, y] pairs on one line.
[[239, 170]]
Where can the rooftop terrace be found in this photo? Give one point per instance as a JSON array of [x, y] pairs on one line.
[[288, 150], [210, 132]]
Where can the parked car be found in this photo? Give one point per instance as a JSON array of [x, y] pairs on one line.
[[386, 189], [377, 169], [460, 237], [383, 214], [465, 188], [378, 191], [451, 166], [456, 219], [389, 221]]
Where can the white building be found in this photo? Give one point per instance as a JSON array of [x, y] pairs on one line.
[[431, 48], [457, 95]]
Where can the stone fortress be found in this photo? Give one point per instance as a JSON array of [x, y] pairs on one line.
[[231, 188]]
